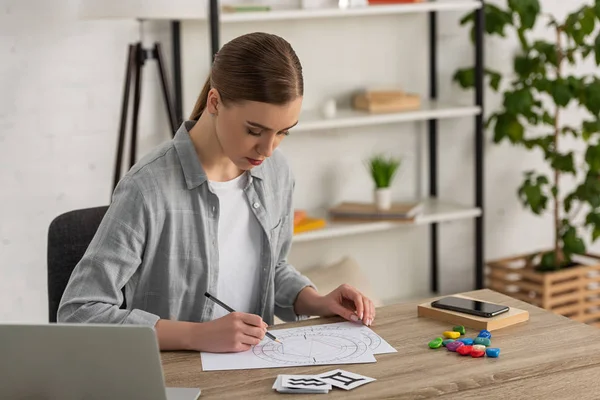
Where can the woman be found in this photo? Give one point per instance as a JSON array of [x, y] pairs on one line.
[[211, 211]]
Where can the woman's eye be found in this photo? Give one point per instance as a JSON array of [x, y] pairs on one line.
[[284, 133], [251, 132]]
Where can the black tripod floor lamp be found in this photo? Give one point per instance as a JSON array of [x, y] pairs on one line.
[[137, 58]]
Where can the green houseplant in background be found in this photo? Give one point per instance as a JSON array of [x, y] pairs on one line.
[[383, 170], [534, 98]]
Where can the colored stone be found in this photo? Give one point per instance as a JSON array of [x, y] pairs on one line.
[[464, 350], [479, 347], [477, 353], [445, 342], [435, 343], [492, 352], [452, 334], [467, 341], [485, 334], [454, 345], [484, 341], [460, 329]]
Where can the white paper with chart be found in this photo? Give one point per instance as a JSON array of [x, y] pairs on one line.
[[338, 343]]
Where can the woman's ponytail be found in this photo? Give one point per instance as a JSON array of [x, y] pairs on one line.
[[201, 102]]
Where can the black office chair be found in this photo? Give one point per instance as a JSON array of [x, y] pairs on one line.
[[69, 236]]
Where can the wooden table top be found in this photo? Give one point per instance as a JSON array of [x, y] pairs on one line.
[[549, 356]]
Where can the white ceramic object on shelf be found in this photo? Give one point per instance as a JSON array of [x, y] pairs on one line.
[[383, 198], [329, 109], [316, 4]]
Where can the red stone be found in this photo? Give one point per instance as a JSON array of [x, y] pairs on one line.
[[477, 353], [464, 350]]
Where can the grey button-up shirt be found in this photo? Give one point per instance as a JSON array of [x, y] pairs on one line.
[[158, 240]]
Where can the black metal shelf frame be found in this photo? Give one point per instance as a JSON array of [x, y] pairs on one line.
[[213, 22]]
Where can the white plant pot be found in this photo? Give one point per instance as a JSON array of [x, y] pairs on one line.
[[383, 198]]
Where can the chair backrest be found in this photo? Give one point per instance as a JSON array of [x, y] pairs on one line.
[[69, 236]]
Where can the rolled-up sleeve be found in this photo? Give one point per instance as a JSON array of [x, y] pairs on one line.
[[94, 291], [288, 281]]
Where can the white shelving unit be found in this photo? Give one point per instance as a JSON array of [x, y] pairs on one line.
[[185, 10], [433, 211]]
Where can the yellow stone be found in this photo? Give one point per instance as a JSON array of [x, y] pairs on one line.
[[452, 335]]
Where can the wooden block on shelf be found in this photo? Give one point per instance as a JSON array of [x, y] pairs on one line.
[[511, 317], [404, 103]]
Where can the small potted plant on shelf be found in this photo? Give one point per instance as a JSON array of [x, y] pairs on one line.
[[563, 277], [383, 170]]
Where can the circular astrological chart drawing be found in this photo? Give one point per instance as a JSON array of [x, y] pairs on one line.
[[316, 346]]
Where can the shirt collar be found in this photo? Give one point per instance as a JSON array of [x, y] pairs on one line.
[[192, 169]]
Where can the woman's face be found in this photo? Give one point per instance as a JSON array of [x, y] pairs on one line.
[[249, 132]]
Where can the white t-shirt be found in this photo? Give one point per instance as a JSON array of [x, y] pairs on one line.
[[240, 241]]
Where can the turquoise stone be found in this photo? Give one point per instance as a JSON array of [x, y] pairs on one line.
[[445, 342], [484, 341]]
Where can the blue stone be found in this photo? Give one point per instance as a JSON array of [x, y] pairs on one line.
[[492, 352], [485, 334], [467, 341]]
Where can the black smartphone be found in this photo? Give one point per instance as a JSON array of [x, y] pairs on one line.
[[474, 307]]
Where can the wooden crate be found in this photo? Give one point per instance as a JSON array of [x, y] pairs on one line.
[[573, 292]]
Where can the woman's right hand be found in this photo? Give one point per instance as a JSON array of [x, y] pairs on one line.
[[231, 333]]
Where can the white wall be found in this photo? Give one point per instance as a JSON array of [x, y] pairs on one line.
[[60, 97]]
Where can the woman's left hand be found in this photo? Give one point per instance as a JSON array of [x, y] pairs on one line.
[[347, 302]]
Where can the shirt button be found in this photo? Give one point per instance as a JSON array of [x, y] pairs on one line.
[[255, 205]]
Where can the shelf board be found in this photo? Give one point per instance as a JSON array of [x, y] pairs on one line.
[[295, 14], [313, 120], [433, 211], [195, 10]]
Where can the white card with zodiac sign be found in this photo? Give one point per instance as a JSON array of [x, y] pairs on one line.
[[344, 379]]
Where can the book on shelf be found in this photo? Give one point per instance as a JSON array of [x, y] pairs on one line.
[[304, 223], [357, 211]]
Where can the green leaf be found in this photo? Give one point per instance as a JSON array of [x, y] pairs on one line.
[[561, 93], [588, 21], [548, 262], [593, 221], [572, 244], [495, 79], [527, 10], [508, 126], [563, 162], [597, 49], [547, 50], [519, 102], [590, 97], [589, 128], [568, 202], [465, 77], [597, 8], [592, 158], [532, 195]]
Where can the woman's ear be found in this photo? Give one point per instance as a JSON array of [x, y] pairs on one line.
[[213, 101]]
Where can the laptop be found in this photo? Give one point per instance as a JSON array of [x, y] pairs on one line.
[[83, 361]]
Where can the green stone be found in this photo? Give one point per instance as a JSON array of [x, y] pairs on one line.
[[460, 329], [484, 341], [436, 343], [445, 342]]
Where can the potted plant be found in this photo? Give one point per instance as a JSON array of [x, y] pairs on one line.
[[383, 170], [534, 99]]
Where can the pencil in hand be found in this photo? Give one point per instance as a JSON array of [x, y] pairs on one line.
[[229, 309]]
